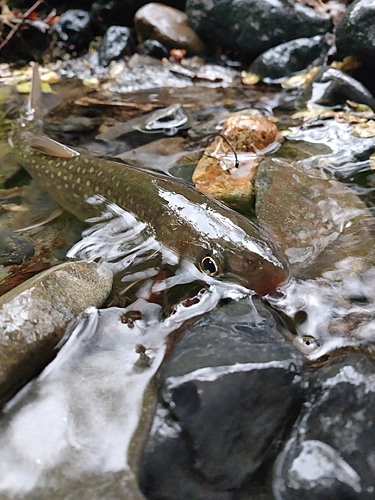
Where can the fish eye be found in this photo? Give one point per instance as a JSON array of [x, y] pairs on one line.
[[252, 264], [209, 265]]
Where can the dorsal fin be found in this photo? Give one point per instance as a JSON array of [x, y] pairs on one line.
[[49, 147], [34, 103]]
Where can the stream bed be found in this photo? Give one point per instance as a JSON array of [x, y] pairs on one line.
[[181, 385]]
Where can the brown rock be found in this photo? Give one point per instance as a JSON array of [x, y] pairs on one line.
[[167, 25], [216, 173]]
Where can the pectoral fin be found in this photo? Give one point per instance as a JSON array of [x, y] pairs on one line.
[[49, 147]]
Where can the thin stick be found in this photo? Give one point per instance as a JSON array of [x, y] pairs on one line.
[[16, 27]]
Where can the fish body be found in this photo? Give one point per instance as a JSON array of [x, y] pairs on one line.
[[220, 242]]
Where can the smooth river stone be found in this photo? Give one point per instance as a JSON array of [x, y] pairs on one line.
[[227, 394], [330, 453], [317, 221], [34, 316]]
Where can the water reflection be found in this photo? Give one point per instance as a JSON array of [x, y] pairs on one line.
[[72, 432]]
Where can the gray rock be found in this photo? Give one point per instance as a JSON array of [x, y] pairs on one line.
[[253, 26], [331, 86], [289, 58], [355, 34], [331, 452], [227, 393], [305, 222], [34, 315], [14, 249], [117, 42]]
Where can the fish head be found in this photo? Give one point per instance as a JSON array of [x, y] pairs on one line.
[[251, 270]]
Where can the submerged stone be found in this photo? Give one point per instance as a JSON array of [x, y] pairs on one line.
[[34, 315], [14, 249], [330, 453], [317, 220], [226, 395]]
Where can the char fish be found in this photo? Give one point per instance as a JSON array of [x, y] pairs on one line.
[[220, 242]]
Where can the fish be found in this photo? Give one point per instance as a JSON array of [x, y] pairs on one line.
[[220, 242]]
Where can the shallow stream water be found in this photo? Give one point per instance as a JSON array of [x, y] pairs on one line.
[[78, 429]]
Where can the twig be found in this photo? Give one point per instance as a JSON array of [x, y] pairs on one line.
[[16, 27]]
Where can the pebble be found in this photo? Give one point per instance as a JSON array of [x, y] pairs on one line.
[[34, 315], [153, 48]]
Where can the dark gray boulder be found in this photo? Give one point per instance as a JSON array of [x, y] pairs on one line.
[[226, 396], [253, 26]]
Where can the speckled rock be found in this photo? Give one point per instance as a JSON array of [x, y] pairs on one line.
[[14, 249], [226, 395], [73, 30], [34, 315], [253, 26], [117, 42], [167, 25], [289, 58], [331, 451]]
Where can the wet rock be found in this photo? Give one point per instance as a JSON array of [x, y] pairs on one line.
[[355, 34], [117, 42], [14, 249], [226, 394], [116, 12], [331, 86], [319, 223], [331, 451], [217, 173], [153, 48], [167, 25], [73, 30], [289, 58], [34, 315], [9, 168], [253, 26]]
